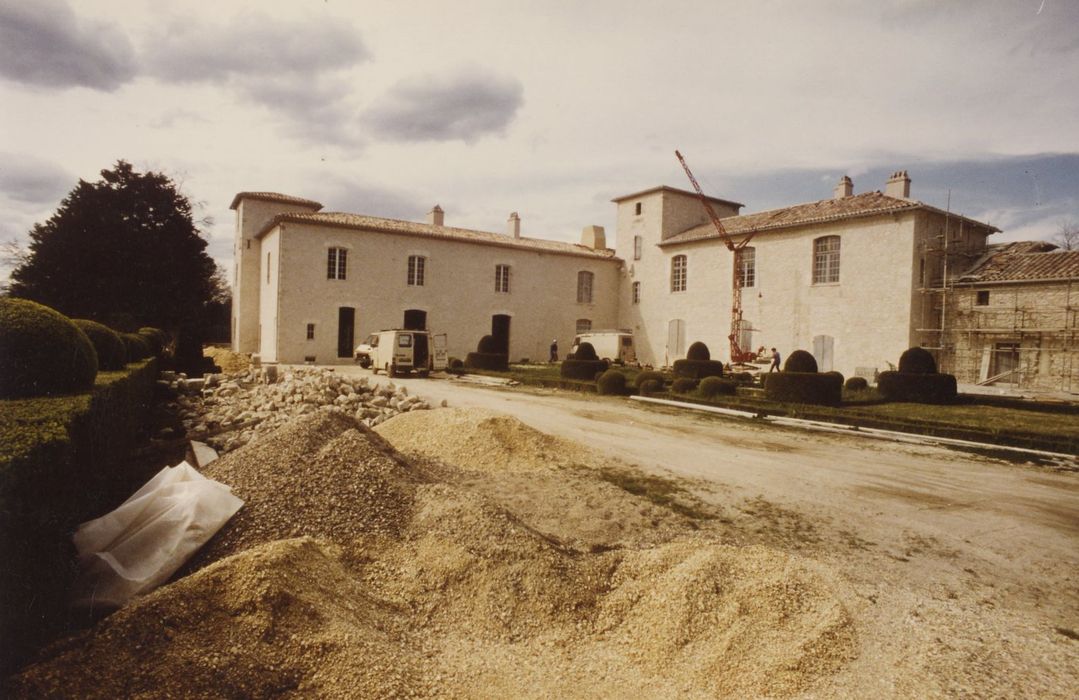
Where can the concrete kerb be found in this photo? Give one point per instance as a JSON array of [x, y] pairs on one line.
[[1061, 459]]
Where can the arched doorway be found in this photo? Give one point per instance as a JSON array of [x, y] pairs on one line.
[[415, 320]]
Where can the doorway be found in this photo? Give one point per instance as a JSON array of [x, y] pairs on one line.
[[676, 340], [346, 328], [415, 320], [823, 351], [500, 331]]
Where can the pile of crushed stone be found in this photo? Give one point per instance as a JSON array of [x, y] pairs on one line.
[[417, 587], [230, 362], [477, 439], [318, 476]]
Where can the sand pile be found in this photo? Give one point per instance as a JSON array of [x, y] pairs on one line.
[[230, 362], [317, 476], [428, 588], [478, 439]]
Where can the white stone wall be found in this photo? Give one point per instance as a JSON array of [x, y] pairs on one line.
[[270, 289], [458, 295]]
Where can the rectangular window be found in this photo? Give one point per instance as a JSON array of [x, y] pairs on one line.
[[336, 263], [249, 244], [637, 244], [678, 273], [584, 287], [584, 325], [416, 265], [638, 209], [747, 267], [310, 331], [502, 278], [636, 292], [826, 260], [267, 268], [983, 298]]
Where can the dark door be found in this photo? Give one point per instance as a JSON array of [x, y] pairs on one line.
[[415, 320], [346, 327], [500, 331], [420, 351]]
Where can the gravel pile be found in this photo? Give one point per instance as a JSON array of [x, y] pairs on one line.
[[317, 476], [230, 362], [229, 411]]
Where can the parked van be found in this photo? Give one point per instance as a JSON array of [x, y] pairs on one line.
[[614, 346], [399, 351]]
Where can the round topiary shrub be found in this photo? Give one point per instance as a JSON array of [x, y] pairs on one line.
[[585, 370], [838, 375], [800, 361], [612, 383], [456, 363], [109, 346], [585, 351], [698, 351], [697, 369], [683, 385], [648, 375], [650, 386], [42, 352], [487, 345], [710, 387], [136, 345], [917, 361], [856, 384], [156, 339]]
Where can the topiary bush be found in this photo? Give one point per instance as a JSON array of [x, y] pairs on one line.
[[585, 351], [582, 369], [455, 363], [487, 345], [800, 361], [156, 339], [837, 374], [710, 387], [136, 345], [42, 352], [917, 361], [856, 384], [611, 383], [804, 387], [684, 385], [649, 375], [917, 388], [697, 369], [109, 346], [698, 351], [489, 361], [650, 386]]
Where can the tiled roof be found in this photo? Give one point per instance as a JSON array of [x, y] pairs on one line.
[[866, 204], [371, 223], [1024, 261], [274, 197]]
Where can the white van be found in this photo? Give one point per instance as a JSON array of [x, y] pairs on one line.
[[401, 351], [613, 346]]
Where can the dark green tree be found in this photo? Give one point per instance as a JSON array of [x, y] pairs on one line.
[[124, 247]]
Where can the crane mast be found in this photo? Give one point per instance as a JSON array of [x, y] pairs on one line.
[[738, 354]]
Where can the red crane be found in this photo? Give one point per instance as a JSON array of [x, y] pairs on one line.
[[738, 354]]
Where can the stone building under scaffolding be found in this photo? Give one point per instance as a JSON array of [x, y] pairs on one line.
[[1011, 318]]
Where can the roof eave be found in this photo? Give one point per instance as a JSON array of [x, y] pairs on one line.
[[271, 197], [668, 188]]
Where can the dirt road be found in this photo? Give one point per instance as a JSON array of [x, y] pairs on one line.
[[963, 569]]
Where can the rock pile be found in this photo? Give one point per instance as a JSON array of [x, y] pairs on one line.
[[229, 411]]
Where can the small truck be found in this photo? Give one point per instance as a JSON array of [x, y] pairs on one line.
[[398, 351], [613, 346]]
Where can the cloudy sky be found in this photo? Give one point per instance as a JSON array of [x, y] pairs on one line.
[[546, 107]]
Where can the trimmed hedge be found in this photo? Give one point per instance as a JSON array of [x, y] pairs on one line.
[[917, 361], [137, 346], [612, 382], [684, 385], [491, 361], [800, 361], [42, 352], [63, 460], [585, 351], [487, 345], [109, 346], [649, 375], [697, 369], [856, 384], [714, 386], [804, 387], [582, 369], [917, 388], [156, 339], [698, 351]]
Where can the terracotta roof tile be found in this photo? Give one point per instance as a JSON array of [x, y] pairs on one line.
[[275, 197], [371, 223], [866, 204], [1024, 261]]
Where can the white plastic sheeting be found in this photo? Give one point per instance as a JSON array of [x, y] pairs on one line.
[[138, 546]]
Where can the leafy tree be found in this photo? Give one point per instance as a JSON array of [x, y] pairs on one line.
[[124, 247]]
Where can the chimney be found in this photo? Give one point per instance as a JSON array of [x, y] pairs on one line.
[[513, 225], [594, 237], [845, 188], [898, 185], [436, 216]]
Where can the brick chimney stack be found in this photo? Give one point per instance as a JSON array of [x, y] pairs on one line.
[[513, 225], [898, 185], [436, 216]]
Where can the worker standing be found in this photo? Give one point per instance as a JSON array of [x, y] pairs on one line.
[[554, 350], [775, 361]]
